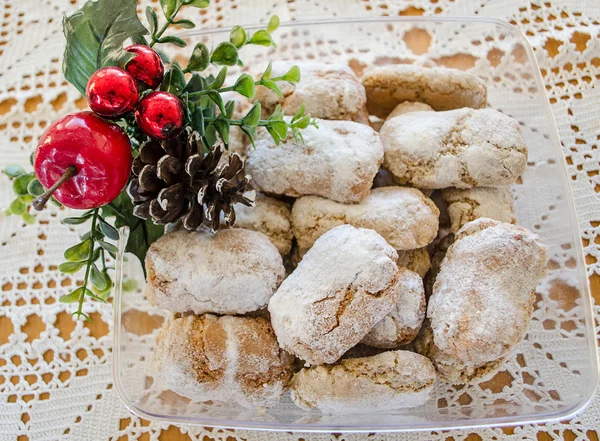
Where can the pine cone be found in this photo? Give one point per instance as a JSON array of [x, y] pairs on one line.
[[175, 180]]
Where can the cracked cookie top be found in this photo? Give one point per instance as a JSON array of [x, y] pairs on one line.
[[346, 283]]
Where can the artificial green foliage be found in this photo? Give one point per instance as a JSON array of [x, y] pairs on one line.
[[96, 35]]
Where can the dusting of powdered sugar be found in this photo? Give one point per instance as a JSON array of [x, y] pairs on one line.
[[338, 160], [345, 283], [233, 271], [483, 295], [404, 216], [461, 148], [223, 358], [402, 324]]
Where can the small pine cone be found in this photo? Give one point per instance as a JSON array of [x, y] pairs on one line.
[[175, 180]]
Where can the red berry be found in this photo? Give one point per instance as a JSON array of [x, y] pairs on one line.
[[112, 92], [146, 67], [160, 115], [100, 151]]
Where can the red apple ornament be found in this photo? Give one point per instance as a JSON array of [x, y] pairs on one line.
[[112, 92], [83, 160], [160, 115], [146, 67]]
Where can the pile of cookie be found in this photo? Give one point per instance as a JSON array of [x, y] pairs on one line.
[[381, 255]]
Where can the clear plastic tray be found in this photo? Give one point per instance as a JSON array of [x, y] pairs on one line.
[[550, 376]]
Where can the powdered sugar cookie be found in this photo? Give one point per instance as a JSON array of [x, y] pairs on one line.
[[439, 87], [346, 283]]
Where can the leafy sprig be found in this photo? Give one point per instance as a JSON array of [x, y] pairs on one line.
[[26, 188], [96, 34]]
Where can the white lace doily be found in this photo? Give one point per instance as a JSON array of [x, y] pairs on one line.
[[55, 374]]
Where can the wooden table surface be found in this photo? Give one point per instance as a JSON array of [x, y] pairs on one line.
[[98, 327]]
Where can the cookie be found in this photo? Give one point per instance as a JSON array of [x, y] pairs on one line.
[[338, 161], [223, 358], [461, 148], [465, 205], [407, 107], [390, 380], [403, 216], [441, 88], [416, 260], [233, 271], [328, 91], [402, 324], [345, 284], [482, 299], [269, 216]]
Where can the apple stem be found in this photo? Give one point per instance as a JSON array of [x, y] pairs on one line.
[[40, 202]]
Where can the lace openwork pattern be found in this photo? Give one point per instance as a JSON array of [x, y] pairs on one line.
[[55, 373]]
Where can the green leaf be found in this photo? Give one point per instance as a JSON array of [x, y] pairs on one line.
[[200, 58], [274, 135], [225, 54], [75, 220], [196, 84], [108, 230], [12, 171], [250, 132], [198, 121], [267, 74], [238, 36], [104, 294], [141, 233], [222, 126], [95, 34], [174, 80], [244, 86], [129, 285], [70, 267], [270, 84], [108, 246], [97, 278], [17, 207], [292, 75], [35, 188], [217, 99], [210, 135], [172, 40], [219, 80], [152, 19], [252, 118], [229, 109], [73, 296], [164, 57], [168, 7], [273, 24], [27, 199], [28, 218], [21, 182], [198, 3], [94, 296], [281, 128], [185, 24], [138, 39], [261, 38], [302, 123], [79, 252]]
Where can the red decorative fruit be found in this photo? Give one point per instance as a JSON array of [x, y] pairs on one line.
[[160, 115], [112, 92], [93, 154], [146, 67]]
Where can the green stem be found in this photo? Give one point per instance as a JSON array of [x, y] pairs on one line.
[[89, 264], [169, 22], [239, 122], [226, 89]]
